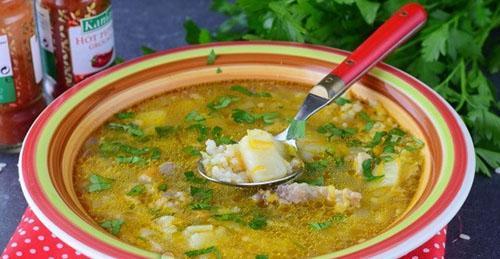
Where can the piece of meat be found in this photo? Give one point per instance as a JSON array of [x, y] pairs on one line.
[[166, 168], [296, 193]]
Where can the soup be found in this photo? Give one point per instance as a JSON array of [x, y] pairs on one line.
[[136, 175]]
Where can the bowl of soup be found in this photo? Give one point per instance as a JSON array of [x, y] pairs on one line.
[[111, 166]]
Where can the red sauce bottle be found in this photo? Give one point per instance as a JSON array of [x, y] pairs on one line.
[[77, 41], [20, 73]]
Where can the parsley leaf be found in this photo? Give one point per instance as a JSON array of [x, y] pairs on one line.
[[125, 115], [246, 91], [164, 131], [192, 178], [235, 217], [208, 250], [137, 190], [332, 131], [147, 50], [241, 116], [130, 128], [221, 102], [342, 101], [326, 224], [192, 151], [367, 166], [296, 130], [367, 119], [258, 222], [98, 183], [261, 257], [113, 226], [194, 116]]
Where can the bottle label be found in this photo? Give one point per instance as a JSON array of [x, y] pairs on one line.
[[91, 44], [7, 87], [46, 42], [35, 54]]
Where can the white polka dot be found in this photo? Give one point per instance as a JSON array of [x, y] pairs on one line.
[[36, 228], [52, 235], [438, 233], [50, 257], [434, 257], [444, 245], [426, 250], [19, 253], [78, 253], [22, 233], [20, 230], [31, 221], [14, 244], [41, 238], [46, 248], [414, 257], [27, 240], [64, 256], [444, 231], [5, 257], [32, 251], [59, 245], [26, 219], [436, 245]]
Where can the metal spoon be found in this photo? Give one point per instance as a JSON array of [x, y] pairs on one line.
[[399, 27]]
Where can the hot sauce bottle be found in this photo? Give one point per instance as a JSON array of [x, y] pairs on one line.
[[20, 73], [77, 41]]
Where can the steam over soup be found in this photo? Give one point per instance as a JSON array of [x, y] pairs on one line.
[[136, 175]]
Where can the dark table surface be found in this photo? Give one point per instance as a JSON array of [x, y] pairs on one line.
[[159, 25]]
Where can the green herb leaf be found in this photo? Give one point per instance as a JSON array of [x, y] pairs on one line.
[[125, 115], [332, 131], [208, 250], [136, 160], [258, 222], [113, 226], [211, 57], [367, 166], [194, 34], [192, 151], [194, 116], [200, 206], [326, 224], [368, 10], [368, 120], [201, 194], [218, 70], [164, 131], [241, 116], [221, 102], [162, 187], [269, 117], [235, 217], [261, 257], [316, 166], [377, 139], [98, 183], [130, 128], [192, 178], [246, 91], [342, 101], [147, 50], [296, 130], [137, 190], [219, 138]]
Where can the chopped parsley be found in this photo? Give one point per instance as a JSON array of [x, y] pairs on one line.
[[261, 257], [211, 57], [125, 115], [113, 226], [367, 167], [221, 102], [369, 122], [147, 50], [200, 206], [98, 183], [377, 139], [246, 91], [202, 131], [135, 160], [137, 190], [235, 217], [258, 222], [326, 224], [129, 128], [192, 151], [162, 187], [331, 131], [218, 70], [164, 131], [341, 101], [219, 138], [242, 116], [316, 166], [201, 194], [192, 178], [268, 117], [194, 116], [208, 250], [296, 130]]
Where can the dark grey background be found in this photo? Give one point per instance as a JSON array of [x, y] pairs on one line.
[[159, 25]]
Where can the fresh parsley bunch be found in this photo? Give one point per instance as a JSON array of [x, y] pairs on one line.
[[447, 54]]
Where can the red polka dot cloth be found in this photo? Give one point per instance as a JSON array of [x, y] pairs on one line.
[[33, 240]]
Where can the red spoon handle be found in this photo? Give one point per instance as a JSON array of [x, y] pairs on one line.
[[400, 26]]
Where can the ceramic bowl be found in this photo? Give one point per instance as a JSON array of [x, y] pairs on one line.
[[49, 151]]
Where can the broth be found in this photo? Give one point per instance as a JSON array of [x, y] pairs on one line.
[[136, 175]]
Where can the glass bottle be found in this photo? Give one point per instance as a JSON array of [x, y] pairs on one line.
[[20, 73], [77, 41]]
